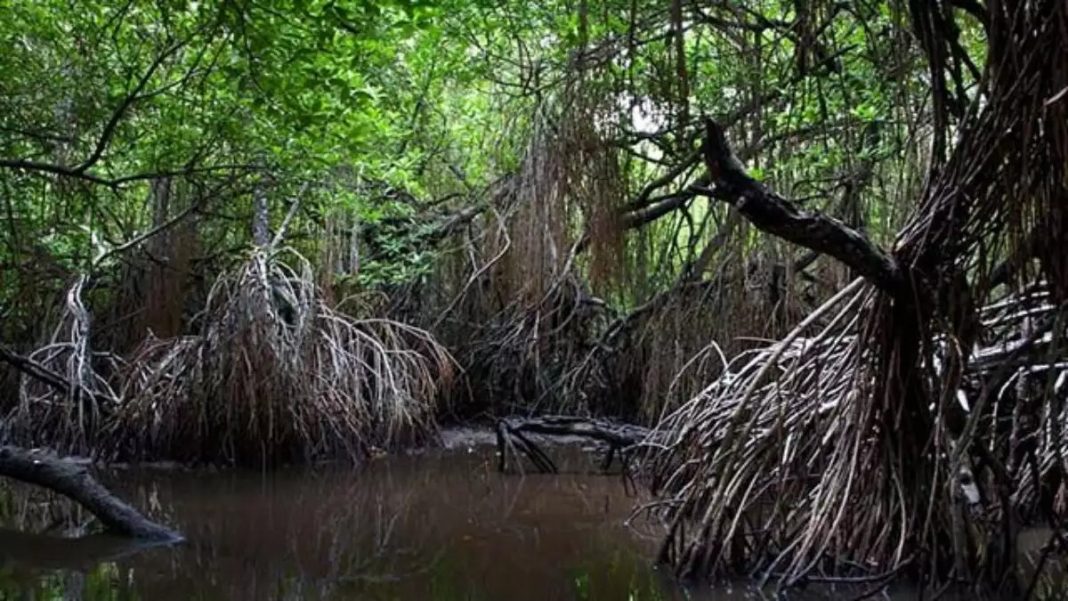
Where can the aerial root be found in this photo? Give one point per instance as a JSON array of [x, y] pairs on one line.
[[275, 373]]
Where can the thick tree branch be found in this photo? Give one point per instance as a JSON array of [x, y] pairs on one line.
[[777, 216], [34, 370], [646, 208], [72, 479], [657, 208], [46, 376], [55, 170], [115, 183], [645, 195], [120, 111], [511, 434], [135, 95]]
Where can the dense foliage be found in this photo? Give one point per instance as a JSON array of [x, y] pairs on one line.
[[605, 207], [413, 148]]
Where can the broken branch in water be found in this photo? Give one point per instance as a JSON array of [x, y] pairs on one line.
[[512, 434], [72, 479]]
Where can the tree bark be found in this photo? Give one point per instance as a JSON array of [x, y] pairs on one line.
[[72, 479], [777, 216], [261, 217]]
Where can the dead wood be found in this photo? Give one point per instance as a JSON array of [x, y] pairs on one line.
[[72, 479], [512, 436], [34, 370]]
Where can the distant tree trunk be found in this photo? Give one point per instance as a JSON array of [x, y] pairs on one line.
[[261, 217], [163, 294]]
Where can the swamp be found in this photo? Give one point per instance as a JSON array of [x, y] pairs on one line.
[[578, 300]]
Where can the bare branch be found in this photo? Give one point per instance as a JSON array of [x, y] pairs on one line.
[[777, 216], [72, 479]]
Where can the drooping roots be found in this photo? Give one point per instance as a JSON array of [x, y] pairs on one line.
[[793, 465], [750, 472], [275, 374]]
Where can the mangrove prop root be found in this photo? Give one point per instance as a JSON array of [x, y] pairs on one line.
[[72, 479]]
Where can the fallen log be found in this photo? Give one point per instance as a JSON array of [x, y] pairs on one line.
[[72, 479], [512, 436]]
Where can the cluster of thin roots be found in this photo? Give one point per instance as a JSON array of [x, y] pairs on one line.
[[759, 470], [520, 305], [921, 426], [512, 305], [275, 373], [67, 411], [657, 356], [790, 465]]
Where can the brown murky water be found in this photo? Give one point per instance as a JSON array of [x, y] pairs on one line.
[[436, 526], [440, 526]]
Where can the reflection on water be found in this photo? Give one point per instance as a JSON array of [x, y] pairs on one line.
[[441, 526]]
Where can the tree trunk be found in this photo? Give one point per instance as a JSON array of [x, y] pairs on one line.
[[72, 479]]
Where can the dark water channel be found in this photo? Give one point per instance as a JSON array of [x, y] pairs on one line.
[[439, 526], [435, 526]]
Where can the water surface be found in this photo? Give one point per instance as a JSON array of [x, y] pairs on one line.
[[438, 526]]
